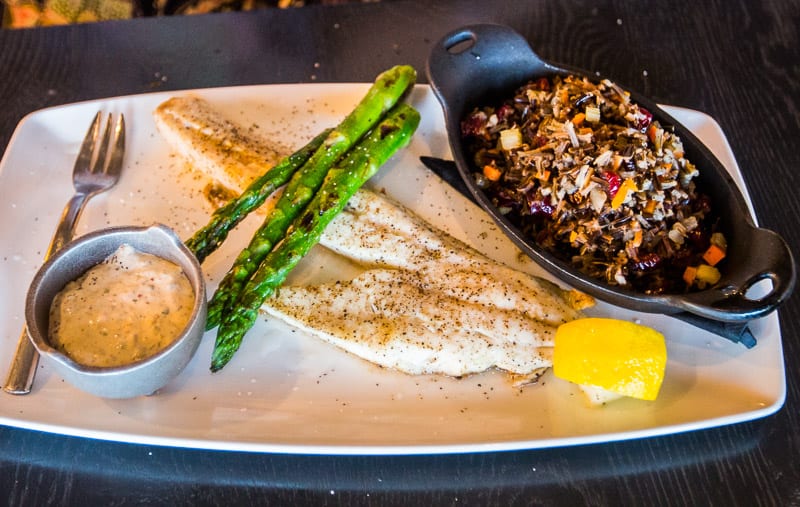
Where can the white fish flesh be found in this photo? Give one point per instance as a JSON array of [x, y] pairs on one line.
[[395, 319], [427, 303], [377, 232], [229, 154]]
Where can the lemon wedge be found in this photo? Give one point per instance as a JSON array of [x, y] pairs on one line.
[[610, 357]]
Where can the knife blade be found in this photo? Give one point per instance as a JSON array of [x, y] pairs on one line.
[[737, 332]]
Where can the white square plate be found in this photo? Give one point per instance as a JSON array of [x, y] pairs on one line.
[[285, 391]]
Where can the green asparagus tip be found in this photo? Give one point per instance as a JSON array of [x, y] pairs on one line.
[[222, 355], [230, 334]]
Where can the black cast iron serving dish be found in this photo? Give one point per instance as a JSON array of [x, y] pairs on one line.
[[483, 64]]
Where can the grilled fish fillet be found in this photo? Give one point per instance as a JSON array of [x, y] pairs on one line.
[[228, 153], [377, 232], [426, 304], [396, 319]]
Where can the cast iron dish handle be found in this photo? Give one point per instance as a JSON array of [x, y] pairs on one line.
[[483, 61], [770, 259]]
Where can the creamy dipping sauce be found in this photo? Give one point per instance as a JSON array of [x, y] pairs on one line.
[[127, 308]]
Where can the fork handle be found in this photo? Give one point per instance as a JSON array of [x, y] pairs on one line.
[[26, 358], [66, 225]]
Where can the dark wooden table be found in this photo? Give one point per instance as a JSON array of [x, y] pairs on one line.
[[736, 60]]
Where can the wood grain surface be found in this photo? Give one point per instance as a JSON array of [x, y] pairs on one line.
[[736, 60]]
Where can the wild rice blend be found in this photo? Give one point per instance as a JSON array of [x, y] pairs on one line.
[[590, 176]]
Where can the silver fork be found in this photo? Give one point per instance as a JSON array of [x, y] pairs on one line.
[[96, 170]]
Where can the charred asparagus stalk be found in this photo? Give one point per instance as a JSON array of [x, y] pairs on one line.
[[224, 219], [341, 182], [388, 89]]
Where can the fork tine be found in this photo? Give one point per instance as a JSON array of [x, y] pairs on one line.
[[84, 158], [114, 165], [102, 150]]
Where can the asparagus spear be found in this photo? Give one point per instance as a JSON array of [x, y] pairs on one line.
[[389, 87], [224, 219], [342, 181]]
